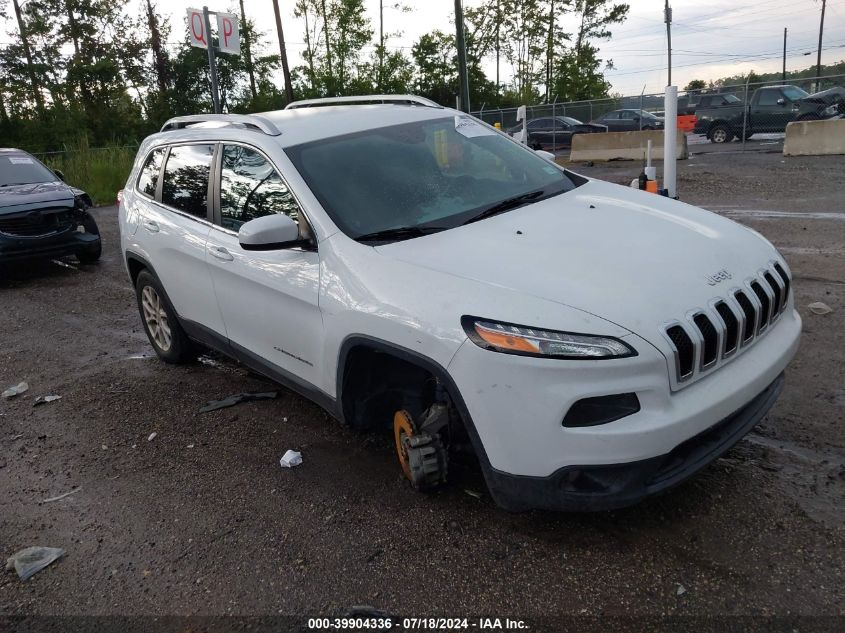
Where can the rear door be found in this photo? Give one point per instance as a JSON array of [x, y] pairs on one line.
[[175, 219], [268, 299], [611, 120]]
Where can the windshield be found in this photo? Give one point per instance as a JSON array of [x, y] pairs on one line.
[[793, 93], [647, 115], [434, 173], [570, 120], [20, 169], [731, 99]]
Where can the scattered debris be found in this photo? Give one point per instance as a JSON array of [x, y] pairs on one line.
[[104, 447], [290, 459], [67, 494], [16, 437], [59, 262], [473, 493], [18, 389], [189, 446], [819, 308], [32, 560], [45, 400], [231, 401], [681, 589], [152, 436]]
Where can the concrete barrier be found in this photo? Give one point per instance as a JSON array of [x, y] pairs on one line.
[[815, 138], [630, 145]]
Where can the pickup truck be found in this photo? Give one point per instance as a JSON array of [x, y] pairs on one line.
[[770, 110]]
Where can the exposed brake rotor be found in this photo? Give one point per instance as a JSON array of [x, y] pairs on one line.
[[421, 455]]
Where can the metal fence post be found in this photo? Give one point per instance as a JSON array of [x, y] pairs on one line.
[[745, 112]]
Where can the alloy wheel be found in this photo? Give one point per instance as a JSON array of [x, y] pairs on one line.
[[155, 316]]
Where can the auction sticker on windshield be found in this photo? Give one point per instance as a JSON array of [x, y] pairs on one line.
[[468, 127]]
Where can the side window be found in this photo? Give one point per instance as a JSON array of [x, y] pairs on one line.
[[628, 115], [148, 180], [611, 116], [537, 124], [769, 97], [186, 178], [250, 188]]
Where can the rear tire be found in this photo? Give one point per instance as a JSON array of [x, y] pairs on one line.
[[720, 134], [166, 335]]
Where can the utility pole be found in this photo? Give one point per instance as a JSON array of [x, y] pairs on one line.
[[783, 74], [667, 17], [462, 56], [819, 58], [550, 50], [380, 44], [498, 24], [212, 62], [283, 52], [36, 92]]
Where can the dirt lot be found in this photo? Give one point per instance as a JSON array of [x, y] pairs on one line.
[[202, 520]]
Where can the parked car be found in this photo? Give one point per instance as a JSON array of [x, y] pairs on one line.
[[553, 133], [40, 215], [771, 109], [414, 270], [629, 121]]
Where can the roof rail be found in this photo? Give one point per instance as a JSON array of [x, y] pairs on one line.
[[410, 100], [249, 121]]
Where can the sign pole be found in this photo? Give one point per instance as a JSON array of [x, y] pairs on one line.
[[212, 63]]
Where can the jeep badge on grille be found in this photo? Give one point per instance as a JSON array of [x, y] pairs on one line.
[[718, 277]]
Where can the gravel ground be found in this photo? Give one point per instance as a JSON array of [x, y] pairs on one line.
[[201, 520]]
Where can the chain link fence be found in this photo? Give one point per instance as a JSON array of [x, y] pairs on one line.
[[712, 117]]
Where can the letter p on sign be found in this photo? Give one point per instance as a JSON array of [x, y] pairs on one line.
[[228, 34]]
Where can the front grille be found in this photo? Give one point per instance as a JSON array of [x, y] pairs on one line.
[[750, 315], [36, 223], [731, 328], [780, 271], [685, 349], [710, 337], [732, 323], [763, 298]]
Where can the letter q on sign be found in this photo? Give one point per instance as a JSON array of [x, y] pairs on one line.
[[196, 29], [228, 34]]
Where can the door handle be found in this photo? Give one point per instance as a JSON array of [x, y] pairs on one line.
[[220, 253], [151, 226]]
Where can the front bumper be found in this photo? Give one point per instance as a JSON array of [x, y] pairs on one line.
[[611, 486], [516, 406], [14, 249]]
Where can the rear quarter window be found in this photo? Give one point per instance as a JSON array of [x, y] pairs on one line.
[[148, 178]]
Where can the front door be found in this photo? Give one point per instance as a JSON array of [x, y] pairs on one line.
[[269, 299]]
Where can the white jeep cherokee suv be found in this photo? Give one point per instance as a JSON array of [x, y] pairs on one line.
[[409, 267]]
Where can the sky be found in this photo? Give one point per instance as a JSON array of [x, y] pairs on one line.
[[710, 38]]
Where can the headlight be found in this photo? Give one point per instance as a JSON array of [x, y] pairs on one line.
[[528, 341], [831, 110]]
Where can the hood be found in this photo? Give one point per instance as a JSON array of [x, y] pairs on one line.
[[829, 96], [16, 198], [624, 255]]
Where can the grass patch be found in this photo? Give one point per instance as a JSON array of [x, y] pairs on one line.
[[101, 172]]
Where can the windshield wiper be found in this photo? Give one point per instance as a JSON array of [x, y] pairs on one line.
[[399, 233], [506, 205]]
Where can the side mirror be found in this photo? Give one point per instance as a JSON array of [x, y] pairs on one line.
[[269, 233], [60, 174], [544, 154], [781, 101]]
